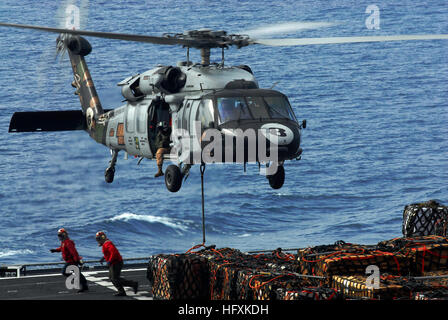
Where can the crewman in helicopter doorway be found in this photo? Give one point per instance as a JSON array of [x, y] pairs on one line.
[[162, 145], [115, 264], [70, 256]]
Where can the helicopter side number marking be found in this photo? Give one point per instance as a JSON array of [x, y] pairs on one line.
[[282, 133]]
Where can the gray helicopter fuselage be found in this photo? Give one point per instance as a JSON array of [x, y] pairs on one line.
[[129, 127]]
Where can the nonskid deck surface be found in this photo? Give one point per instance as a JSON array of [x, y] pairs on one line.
[[51, 286]]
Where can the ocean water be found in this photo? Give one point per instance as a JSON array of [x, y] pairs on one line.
[[377, 135]]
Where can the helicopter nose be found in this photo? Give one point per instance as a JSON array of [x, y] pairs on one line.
[[277, 133], [250, 142]]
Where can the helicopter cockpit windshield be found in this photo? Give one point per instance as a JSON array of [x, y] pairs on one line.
[[232, 108], [256, 107]]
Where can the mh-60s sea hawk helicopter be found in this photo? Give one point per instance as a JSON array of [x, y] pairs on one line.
[[189, 100]]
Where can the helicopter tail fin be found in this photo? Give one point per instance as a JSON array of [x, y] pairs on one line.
[[78, 47]]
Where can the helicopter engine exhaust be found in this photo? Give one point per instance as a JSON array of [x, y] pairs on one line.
[[174, 80], [168, 80]]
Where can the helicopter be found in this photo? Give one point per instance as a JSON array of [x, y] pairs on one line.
[[213, 113]]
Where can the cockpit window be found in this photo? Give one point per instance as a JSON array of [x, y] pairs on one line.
[[257, 107], [232, 109], [279, 108]]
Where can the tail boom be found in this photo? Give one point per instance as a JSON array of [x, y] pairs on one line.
[[78, 48]]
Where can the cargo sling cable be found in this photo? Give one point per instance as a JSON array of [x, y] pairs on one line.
[[202, 168]]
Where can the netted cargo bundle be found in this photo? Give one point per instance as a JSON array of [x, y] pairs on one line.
[[225, 265], [158, 274], [427, 218], [400, 244], [309, 293], [265, 284], [184, 276], [425, 253], [349, 259], [308, 257], [357, 263], [429, 258], [355, 287]]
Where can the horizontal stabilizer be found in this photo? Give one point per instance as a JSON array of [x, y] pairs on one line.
[[47, 121]]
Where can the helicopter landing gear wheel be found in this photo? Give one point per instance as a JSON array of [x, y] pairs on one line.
[[173, 178], [276, 180], [110, 171], [109, 175]]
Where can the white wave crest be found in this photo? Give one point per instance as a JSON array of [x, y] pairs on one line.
[[8, 253], [169, 222]]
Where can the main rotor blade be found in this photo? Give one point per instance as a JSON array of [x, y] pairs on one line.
[[285, 28], [335, 40], [108, 35]]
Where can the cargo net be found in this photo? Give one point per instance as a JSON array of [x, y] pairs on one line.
[[348, 258], [239, 276], [175, 277], [229, 274], [427, 218], [390, 287], [410, 268], [424, 253]]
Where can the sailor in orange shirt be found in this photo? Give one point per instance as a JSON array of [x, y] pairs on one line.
[[115, 263], [70, 256]]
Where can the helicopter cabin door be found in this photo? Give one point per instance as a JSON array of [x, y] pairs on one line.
[[136, 130]]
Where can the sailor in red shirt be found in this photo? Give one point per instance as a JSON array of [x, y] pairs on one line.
[[70, 256], [115, 263]]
